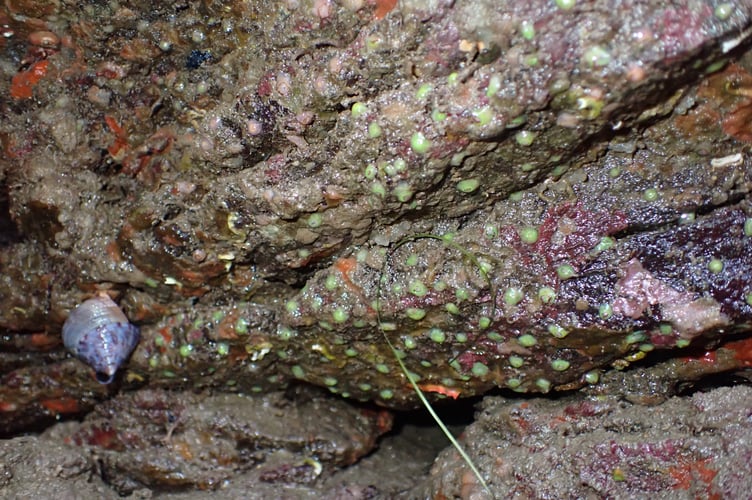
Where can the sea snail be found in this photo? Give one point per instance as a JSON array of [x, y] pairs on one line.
[[98, 333]]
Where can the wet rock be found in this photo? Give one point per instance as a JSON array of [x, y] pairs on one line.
[[580, 447], [514, 195], [34, 467], [490, 192], [176, 441]]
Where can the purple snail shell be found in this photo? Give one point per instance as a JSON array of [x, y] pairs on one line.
[[98, 333]]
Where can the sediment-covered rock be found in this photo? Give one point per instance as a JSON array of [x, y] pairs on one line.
[[514, 194]]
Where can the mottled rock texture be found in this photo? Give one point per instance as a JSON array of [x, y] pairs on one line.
[[685, 448], [512, 194]]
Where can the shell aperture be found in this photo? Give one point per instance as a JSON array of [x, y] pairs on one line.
[[98, 333]]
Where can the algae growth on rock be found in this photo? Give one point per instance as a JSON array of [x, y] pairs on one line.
[[239, 177]]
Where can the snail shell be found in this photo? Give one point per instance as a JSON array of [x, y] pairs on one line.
[[98, 333]]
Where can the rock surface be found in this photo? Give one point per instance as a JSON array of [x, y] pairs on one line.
[[696, 447], [515, 195]]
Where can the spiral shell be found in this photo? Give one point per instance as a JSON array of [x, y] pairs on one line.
[[98, 333]]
